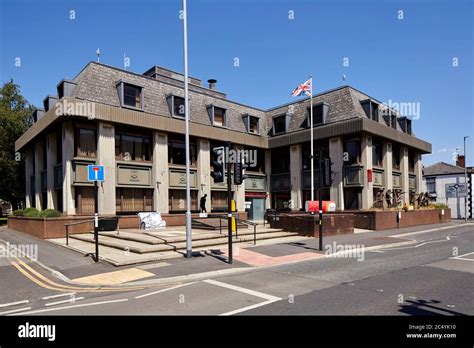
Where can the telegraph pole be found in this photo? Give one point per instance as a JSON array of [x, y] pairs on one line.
[[229, 203]]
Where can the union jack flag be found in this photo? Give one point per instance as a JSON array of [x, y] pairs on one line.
[[303, 88]]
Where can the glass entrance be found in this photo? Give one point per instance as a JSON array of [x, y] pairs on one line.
[[257, 208]]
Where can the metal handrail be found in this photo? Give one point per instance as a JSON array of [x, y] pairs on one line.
[[254, 224], [84, 222]]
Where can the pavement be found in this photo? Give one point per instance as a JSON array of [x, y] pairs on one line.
[[428, 268]]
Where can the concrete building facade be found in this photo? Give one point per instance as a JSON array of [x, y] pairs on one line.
[[134, 125]]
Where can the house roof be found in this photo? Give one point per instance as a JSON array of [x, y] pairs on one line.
[[442, 168]]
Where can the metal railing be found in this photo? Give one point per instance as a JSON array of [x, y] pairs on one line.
[[85, 222], [254, 224]]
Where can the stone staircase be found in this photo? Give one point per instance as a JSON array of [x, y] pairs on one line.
[[154, 242]]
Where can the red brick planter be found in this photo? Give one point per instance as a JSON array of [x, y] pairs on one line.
[[303, 224]]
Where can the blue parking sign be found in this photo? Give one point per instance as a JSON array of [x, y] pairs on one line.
[[95, 173]]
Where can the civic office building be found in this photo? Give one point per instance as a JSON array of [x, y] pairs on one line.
[[133, 125]]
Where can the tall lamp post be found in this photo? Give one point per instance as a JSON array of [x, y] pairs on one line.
[[465, 180], [186, 121]]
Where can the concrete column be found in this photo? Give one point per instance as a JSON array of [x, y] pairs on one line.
[[29, 160], [418, 172], [268, 172], [38, 169], [336, 152], [296, 164], [204, 171], [68, 156], [50, 162], [106, 157], [367, 190], [161, 172], [387, 165], [239, 190], [404, 170]]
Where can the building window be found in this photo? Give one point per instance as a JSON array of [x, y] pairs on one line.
[[352, 151], [408, 126], [431, 185], [306, 153], [177, 201], [132, 147], [371, 109], [377, 156], [396, 157], [257, 156], [130, 95], [279, 125], [217, 116], [132, 200], [86, 142], [218, 201], [85, 203], [318, 116], [59, 148], [280, 160], [253, 125], [411, 161], [393, 121], [178, 106], [177, 151]]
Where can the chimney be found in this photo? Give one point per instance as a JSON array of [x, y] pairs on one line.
[[212, 83], [460, 161]]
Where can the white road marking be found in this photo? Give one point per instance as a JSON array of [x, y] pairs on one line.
[[244, 290], [13, 303], [56, 296], [163, 290], [461, 258], [16, 310], [71, 300], [269, 298], [75, 306], [427, 231]]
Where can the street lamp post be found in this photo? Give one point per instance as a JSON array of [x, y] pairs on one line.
[[465, 180], [186, 118]]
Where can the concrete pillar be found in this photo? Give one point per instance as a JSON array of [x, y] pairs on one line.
[[418, 172], [239, 190], [204, 171], [38, 169], [68, 156], [160, 172], [296, 164], [387, 165], [29, 158], [336, 152], [404, 170], [268, 172], [50, 163], [367, 190], [106, 157]]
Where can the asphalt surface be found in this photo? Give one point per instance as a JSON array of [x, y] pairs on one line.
[[434, 275]]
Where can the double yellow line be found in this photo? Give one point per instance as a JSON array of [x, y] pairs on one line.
[[47, 283]]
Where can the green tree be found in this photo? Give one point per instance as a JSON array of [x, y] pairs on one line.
[[15, 119]]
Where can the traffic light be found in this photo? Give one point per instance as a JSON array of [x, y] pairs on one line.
[[239, 172], [327, 172], [218, 164]]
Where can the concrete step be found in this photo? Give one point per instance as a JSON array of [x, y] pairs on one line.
[[143, 248]]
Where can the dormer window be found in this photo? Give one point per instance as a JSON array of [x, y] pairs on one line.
[[393, 121], [251, 123], [320, 112], [280, 124], [217, 116], [176, 105], [131, 96], [371, 109]]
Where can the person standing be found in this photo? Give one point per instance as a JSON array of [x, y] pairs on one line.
[[202, 204]]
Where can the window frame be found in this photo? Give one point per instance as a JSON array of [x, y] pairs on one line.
[[285, 118], [121, 91], [358, 159], [77, 142], [211, 109], [135, 136], [323, 116]]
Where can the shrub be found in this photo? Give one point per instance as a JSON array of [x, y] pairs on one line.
[[50, 213], [19, 212], [438, 206], [31, 212]]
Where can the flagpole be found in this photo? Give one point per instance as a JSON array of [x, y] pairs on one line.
[[312, 144]]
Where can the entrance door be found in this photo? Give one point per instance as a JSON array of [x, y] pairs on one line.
[[257, 208]]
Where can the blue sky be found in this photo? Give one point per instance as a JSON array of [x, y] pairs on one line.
[[402, 60]]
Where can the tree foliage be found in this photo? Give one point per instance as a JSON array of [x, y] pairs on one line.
[[15, 119]]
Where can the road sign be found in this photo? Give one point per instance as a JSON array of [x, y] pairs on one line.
[[95, 173], [456, 190]]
